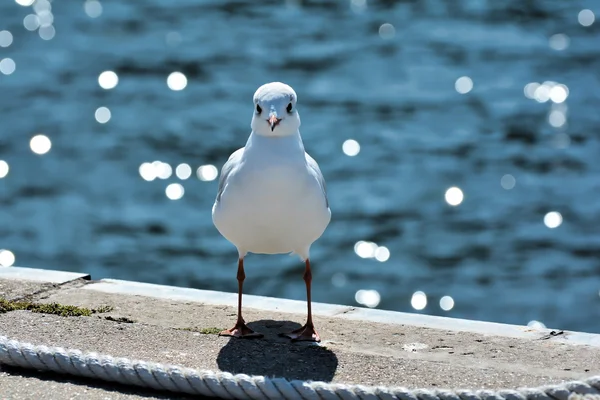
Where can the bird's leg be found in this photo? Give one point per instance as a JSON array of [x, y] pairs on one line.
[[240, 329], [307, 332]]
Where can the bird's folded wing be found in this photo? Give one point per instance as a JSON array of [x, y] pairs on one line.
[[233, 160], [316, 171]]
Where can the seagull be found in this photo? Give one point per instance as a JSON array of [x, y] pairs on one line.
[[272, 197]]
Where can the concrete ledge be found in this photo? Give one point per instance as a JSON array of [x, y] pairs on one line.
[[40, 275], [331, 310], [373, 347], [19, 283], [263, 303]]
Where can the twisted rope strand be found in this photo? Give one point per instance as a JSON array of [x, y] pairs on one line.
[[227, 386]]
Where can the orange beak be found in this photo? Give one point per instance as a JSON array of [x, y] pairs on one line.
[[273, 121]]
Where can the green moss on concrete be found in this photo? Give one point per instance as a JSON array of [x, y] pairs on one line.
[[49, 308], [204, 331], [210, 331], [103, 309]]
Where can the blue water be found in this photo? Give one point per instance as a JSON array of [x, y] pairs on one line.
[[83, 206]]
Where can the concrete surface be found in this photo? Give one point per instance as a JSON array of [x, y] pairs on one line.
[[269, 304], [41, 275], [166, 329], [17, 283], [17, 289]]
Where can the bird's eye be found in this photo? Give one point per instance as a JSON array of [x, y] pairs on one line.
[[258, 109], [289, 108]]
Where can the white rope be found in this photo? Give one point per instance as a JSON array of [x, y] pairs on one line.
[[227, 386]]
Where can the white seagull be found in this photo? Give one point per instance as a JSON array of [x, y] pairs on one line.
[[271, 197]]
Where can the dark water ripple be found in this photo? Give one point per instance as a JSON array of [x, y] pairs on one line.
[[84, 207]]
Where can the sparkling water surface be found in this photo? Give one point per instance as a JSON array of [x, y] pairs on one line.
[[459, 140]]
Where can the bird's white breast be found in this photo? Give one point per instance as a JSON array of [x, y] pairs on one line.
[[271, 202]]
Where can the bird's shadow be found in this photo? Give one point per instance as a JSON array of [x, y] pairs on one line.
[[275, 356]]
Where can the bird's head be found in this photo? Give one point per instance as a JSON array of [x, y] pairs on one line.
[[275, 110]]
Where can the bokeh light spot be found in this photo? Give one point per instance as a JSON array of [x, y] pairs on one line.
[[446, 303], [358, 6], [6, 38], [365, 249], [586, 17], [463, 85], [40, 144], [559, 93], [183, 171], [147, 171], [369, 298], [553, 219], [93, 8], [31, 22], [24, 3], [548, 90], [163, 170], [559, 41], [108, 80], [536, 324], [41, 6], [508, 182], [102, 115], [530, 89], [454, 196], [47, 32], [207, 172], [351, 147], [7, 258], [387, 31], [45, 17], [382, 254], [176, 81], [418, 300], [4, 168], [175, 191], [7, 66], [557, 118], [542, 93]]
